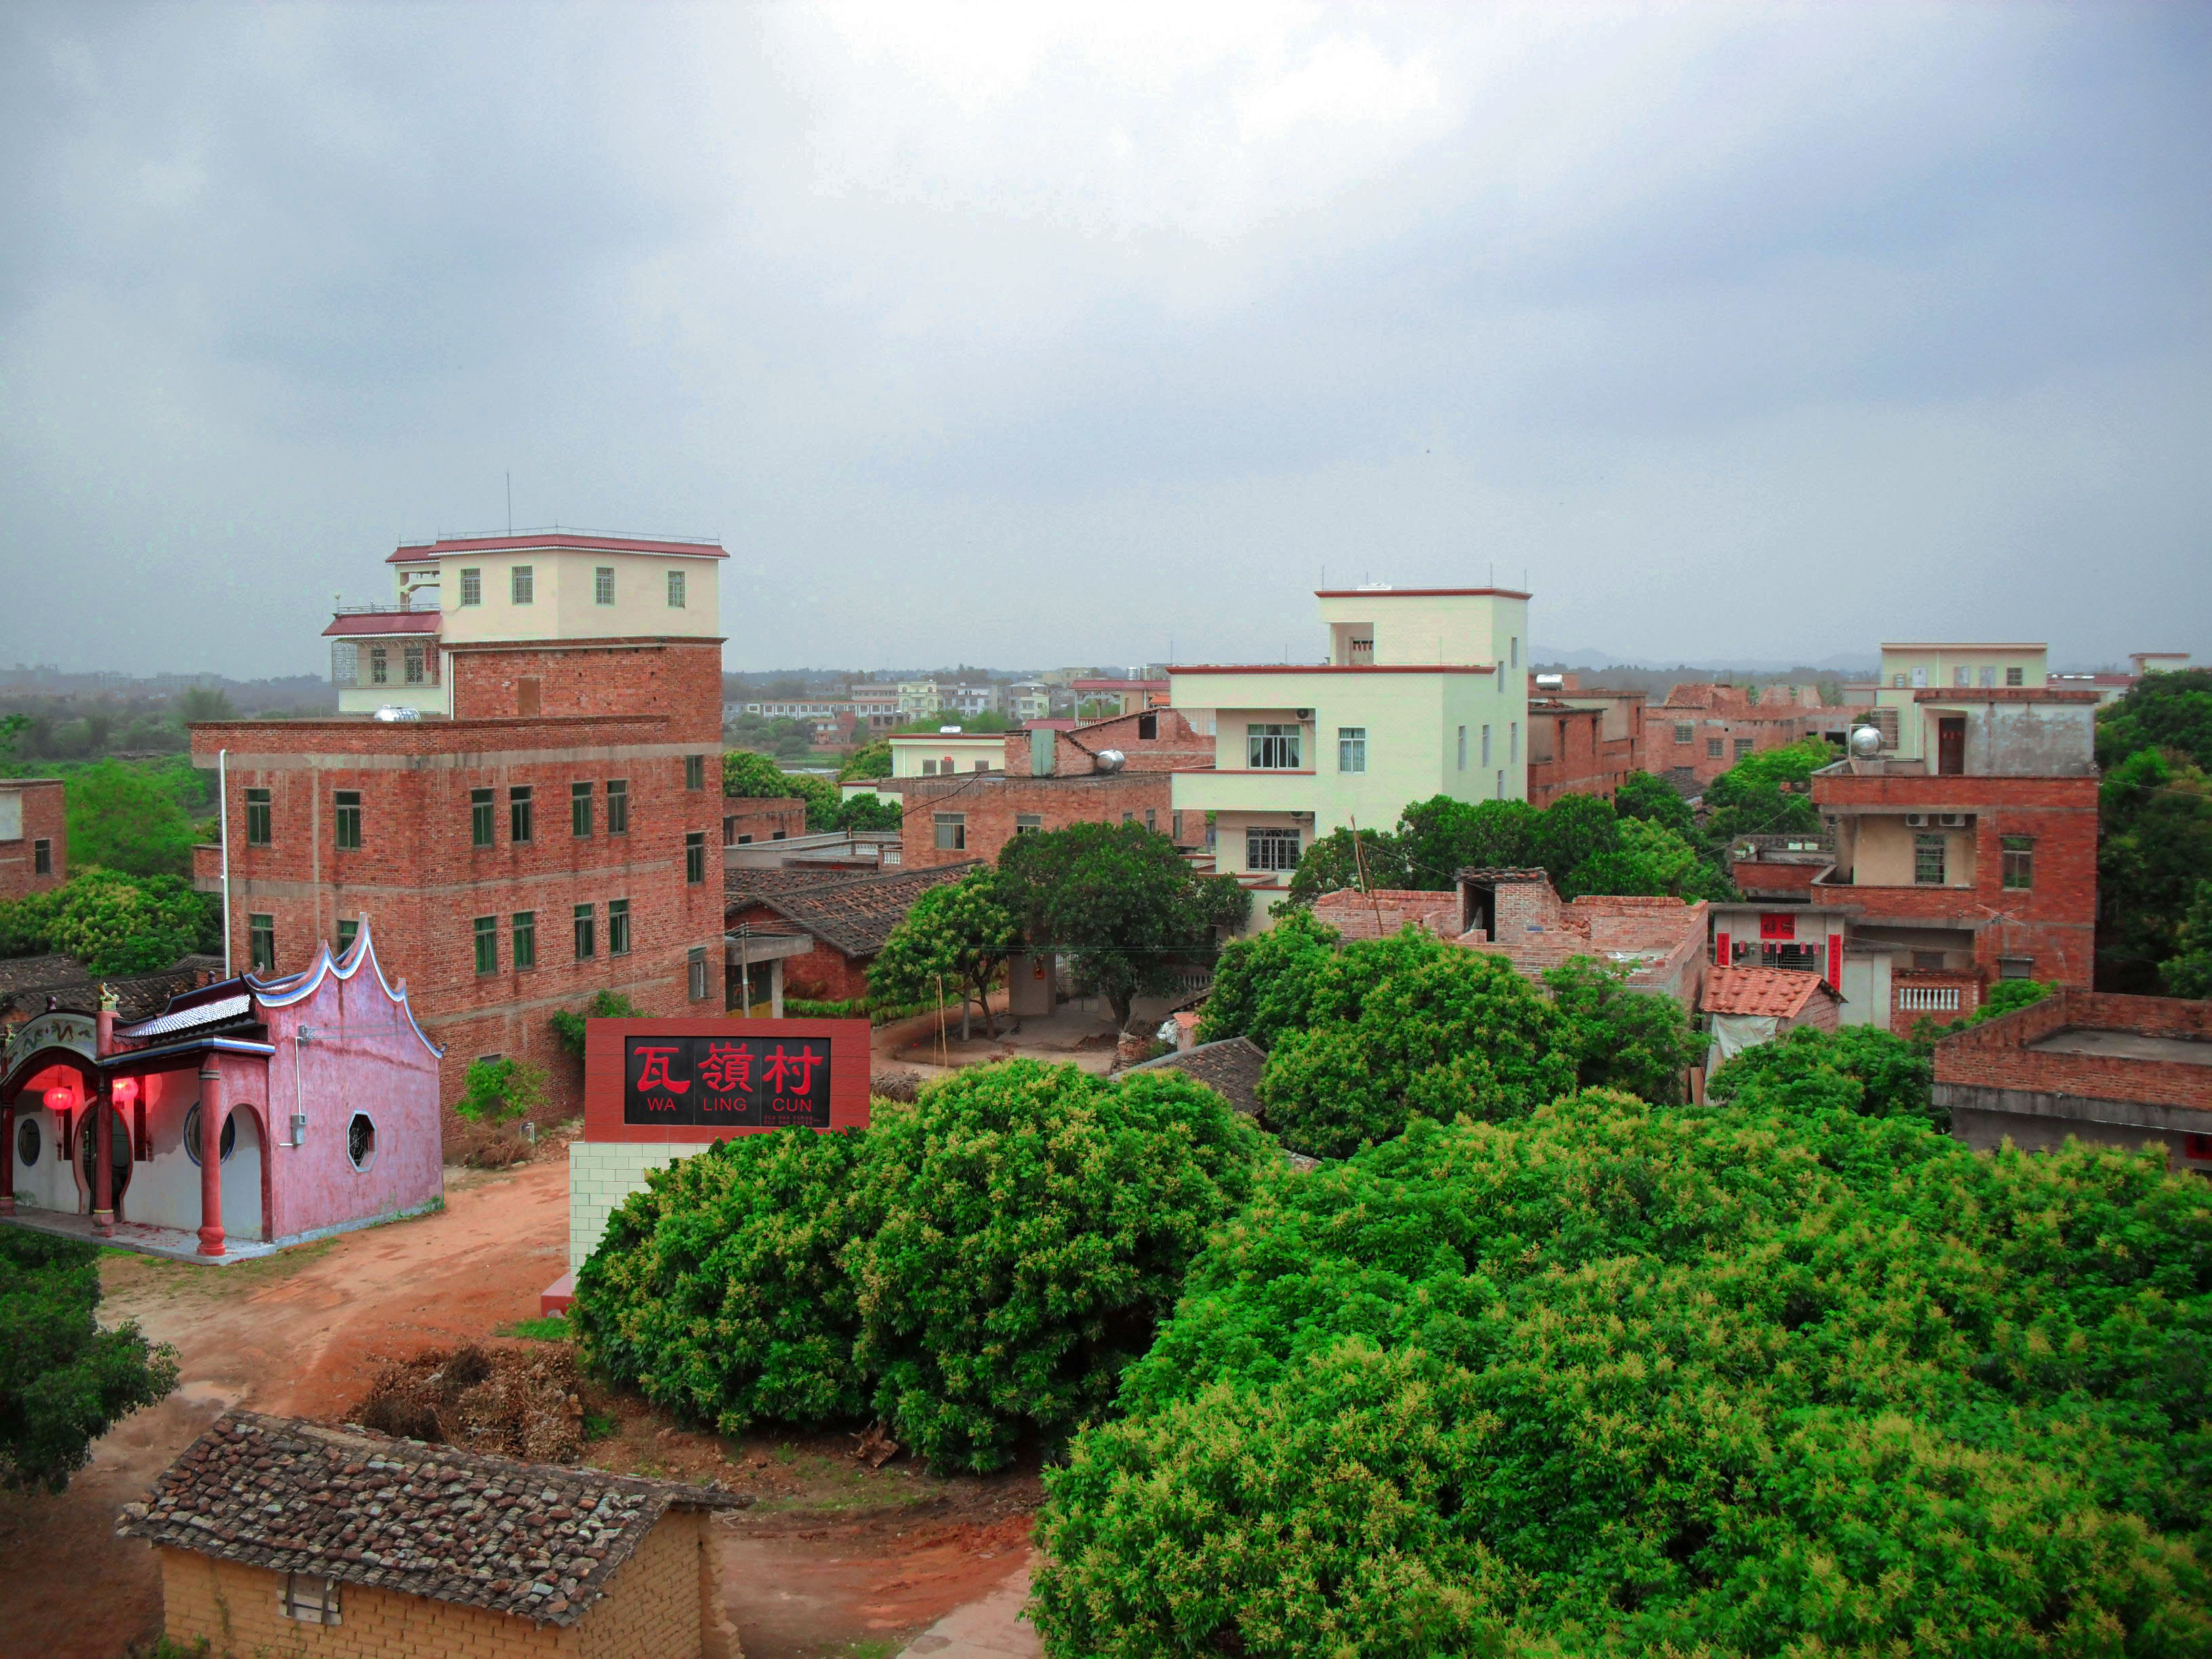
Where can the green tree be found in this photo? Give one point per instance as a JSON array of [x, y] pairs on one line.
[[1860, 1068], [2188, 972], [1331, 865], [872, 761], [203, 703], [1022, 1229], [1121, 901], [1767, 793], [1621, 1039], [112, 922], [956, 934], [498, 1090], [2172, 711], [1649, 860], [1403, 1028], [128, 818], [569, 1024], [1572, 831], [63, 1381], [2155, 845], [871, 812], [1263, 983], [1643, 795], [1445, 836], [717, 1291], [749, 776], [1621, 1380]]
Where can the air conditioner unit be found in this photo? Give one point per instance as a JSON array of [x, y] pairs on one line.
[[1305, 713], [1916, 820], [1952, 820]]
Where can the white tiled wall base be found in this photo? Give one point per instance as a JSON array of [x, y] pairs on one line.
[[603, 1173]]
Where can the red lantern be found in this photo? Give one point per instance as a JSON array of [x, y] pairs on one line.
[[59, 1099], [124, 1088]]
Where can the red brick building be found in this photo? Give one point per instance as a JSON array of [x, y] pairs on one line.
[[1700, 731], [1979, 866], [34, 836], [2126, 1071], [557, 836], [1569, 753], [747, 819], [825, 933]]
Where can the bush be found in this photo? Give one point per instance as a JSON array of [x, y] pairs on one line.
[[569, 1025], [63, 1381], [1619, 1038], [717, 1291], [1861, 1068], [1263, 983], [496, 1091], [112, 922], [1024, 1228], [1621, 1380], [1386, 1030]]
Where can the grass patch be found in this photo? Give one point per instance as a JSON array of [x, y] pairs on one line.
[[597, 1426], [553, 1327]]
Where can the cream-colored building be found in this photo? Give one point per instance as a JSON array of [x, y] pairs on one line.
[[1423, 693], [939, 754], [1907, 669], [917, 699], [535, 587]]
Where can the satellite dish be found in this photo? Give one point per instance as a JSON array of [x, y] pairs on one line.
[[1866, 741]]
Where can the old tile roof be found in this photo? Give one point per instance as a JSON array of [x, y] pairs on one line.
[[74, 990], [529, 1538], [1230, 1067], [854, 916], [41, 972], [1780, 992], [742, 883]]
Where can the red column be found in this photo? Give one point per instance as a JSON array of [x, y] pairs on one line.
[[8, 1158], [103, 1168], [212, 1159]]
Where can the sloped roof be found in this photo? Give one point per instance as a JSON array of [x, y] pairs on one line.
[[41, 972], [1230, 1067], [742, 883], [1780, 992], [533, 1539], [74, 990], [856, 914]]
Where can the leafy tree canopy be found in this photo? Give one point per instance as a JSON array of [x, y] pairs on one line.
[[197, 703], [63, 1381], [2155, 845], [1388, 1031], [1331, 865], [498, 1090], [1860, 1068], [748, 776], [1643, 795], [127, 818], [870, 812], [112, 922], [1263, 983], [2188, 973], [956, 937], [1022, 1229], [1767, 793], [1618, 1380], [569, 1024], [1650, 860], [870, 761], [1121, 900], [718, 1291], [2160, 711], [1618, 1039]]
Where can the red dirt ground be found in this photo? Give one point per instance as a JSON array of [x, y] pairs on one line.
[[836, 1558]]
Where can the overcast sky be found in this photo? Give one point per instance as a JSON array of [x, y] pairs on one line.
[[1053, 334]]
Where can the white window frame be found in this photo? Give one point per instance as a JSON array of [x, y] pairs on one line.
[[1462, 749], [603, 584], [1265, 846], [308, 1599], [1273, 746], [1352, 749], [472, 586], [375, 1141], [676, 591], [951, 832], [522, 585]]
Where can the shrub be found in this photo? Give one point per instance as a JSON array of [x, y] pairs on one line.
[[112, 922], [1263, 983], [1861, 1068], [1621, 1380], [1386, 1030], [63, 1381], [496, 1091], [1024, 1228], [717, 1290], [1619, 1038], [569, 1024]]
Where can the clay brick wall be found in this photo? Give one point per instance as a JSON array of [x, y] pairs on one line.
[[1998, 1055], [761, 817], [1727, 718], [990, 802], [1174, 744], [422, 881], [1567, 755], [45, 819], [823, 973], [678, 679], [1382, 913], [2052, 923]]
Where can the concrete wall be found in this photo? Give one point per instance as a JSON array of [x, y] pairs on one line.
[[563, 604], [603, 1173]]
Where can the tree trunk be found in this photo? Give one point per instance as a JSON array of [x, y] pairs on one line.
[[964, 1013], [983, 996]]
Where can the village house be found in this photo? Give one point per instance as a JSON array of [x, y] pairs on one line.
[[280, 1536], [1571, 754], [318, 1087], [1966, 837], [816, 935], [34, 836], [749, 818], [1699, 731], [2124, 1071], [1659, 943], [543, 830], [941, 754], [1423, 693], [1746, 1006]]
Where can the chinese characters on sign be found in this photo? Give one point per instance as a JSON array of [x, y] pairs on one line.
[[744, 1082]]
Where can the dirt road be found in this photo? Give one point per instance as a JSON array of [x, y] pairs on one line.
[[835, 1559]]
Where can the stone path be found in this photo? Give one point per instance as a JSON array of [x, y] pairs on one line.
[[991, 1628]]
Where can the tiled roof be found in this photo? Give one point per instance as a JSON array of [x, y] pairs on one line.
[[1230, 1067], [742, 884], [366, 623], [855, 915], [41, 972], [1780, 992], [528, 1539], [74, 990]]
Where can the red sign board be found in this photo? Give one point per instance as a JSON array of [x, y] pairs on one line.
[[1776, 925], [704, 1078]]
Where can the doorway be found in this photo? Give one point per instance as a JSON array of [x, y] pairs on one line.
[[241, 1176], [1951, 744], [118, 1159]]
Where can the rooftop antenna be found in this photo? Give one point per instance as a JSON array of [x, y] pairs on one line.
[[510, 503]]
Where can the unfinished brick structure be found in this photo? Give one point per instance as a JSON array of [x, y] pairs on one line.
[[1386, 911], [1569, 753], [749, 818], [2127, 1070], [1154, 740], [34, 836], [281, 1536], [1516, 914]]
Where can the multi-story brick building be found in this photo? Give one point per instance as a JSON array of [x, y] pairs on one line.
[[1700, 731], [34, 836], [553, 836], [1569, 753], [1978, 864]]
